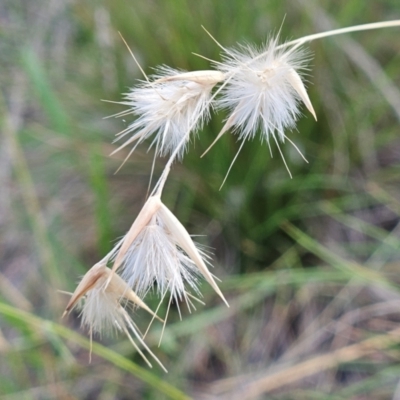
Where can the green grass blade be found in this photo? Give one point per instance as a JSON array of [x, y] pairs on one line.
[[48, 327]]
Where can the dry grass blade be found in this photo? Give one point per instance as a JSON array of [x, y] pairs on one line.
[[304, 369], [335, 260]]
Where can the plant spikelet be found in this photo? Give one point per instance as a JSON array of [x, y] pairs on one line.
[[106, 297], [158, 251], [263, 90], [168, 107]]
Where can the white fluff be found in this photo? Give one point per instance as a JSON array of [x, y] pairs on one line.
[[104, 307], [156, 258], [262, 89], [157, 251], [167, 108], [101, 311]]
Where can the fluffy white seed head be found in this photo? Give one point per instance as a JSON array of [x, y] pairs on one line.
[[157, 250], [168, 107], [263, 89], [105, 299], [156, 258], [102, 309]]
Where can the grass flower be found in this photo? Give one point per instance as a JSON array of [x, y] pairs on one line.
[[168, 107], [158, 250], [263, 91], [106, 297]]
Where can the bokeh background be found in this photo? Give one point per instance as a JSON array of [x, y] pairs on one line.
[[310, 265]]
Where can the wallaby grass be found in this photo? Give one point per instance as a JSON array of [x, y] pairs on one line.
[[309, 265]]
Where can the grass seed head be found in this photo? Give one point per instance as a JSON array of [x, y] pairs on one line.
[[155, 257], [168, 107], [159, 251], [264, 89], [106, 296], [101, 309]]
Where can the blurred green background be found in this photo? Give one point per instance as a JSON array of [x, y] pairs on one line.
[[310, 265]]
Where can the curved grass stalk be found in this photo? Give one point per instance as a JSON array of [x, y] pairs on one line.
[[47, 327]]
